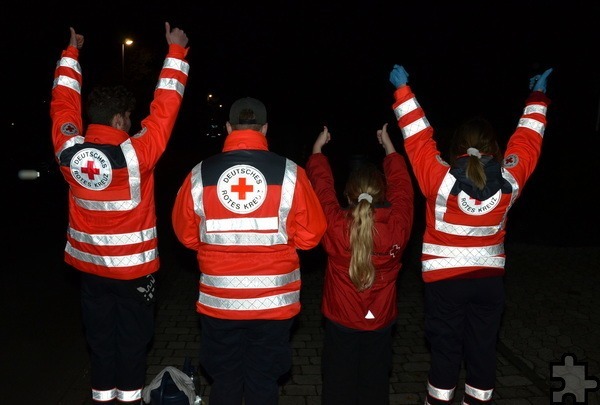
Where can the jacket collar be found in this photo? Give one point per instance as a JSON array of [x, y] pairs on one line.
[[104, 134], [245, 139]]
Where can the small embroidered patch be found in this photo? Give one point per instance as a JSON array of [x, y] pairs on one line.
[[69, 129]]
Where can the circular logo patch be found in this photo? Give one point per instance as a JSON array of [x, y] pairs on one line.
[[511, 161], [242, 189], [69, 129], [91, 168], [471, 206]]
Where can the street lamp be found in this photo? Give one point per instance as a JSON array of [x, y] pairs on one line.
[[128, 42]]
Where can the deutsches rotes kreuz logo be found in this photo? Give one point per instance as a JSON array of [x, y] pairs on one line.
[[471, 206], [91, 168], [511, 161], [242, 189]]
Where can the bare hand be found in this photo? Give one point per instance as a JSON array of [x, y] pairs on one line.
[[175, 36], [76, 39], [384, 139], [323, 138]]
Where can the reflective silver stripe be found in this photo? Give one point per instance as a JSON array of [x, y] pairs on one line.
[[169, 83], [414, 127], [116, 239], [470, 261], [515, 190], [67, 81], [482, 395], [532, 124], [70, 143], [241, 224], [69, 62], [535, 109], [113, 261], [103, 396], [406, 107], [250, 281], [455, 229], [133, 167], [249, 304], [245, 239], [441, 394], [221, 237], [129, 396], [177, 64], [453, 251]]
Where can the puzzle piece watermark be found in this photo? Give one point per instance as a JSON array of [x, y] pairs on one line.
[[575, 383]]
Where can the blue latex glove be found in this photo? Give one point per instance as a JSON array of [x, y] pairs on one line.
[[538, 82], [398, 76]]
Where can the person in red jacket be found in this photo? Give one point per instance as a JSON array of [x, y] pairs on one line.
[[467, 201], [111, 237], [364, 244], [245, 212]]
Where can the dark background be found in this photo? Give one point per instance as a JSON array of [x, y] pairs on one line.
[[326, 64], [312, 65]]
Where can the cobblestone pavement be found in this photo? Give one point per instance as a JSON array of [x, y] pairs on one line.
[[552, 310]]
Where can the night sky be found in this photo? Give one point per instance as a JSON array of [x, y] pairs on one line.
[[319, 64]]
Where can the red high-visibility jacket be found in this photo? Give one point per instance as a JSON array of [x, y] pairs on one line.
[[112, 219], [245, 212], [464, 234]]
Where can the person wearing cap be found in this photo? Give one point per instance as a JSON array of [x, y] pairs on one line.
[[246, 211], [364, 243], [467, 200]]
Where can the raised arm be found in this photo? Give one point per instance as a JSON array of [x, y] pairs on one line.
[[384, 139]]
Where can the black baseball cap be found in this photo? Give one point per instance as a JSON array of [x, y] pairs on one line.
[[247, 110]]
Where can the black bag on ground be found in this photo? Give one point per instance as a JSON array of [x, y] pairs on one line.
[[170, 387], [168, 393]]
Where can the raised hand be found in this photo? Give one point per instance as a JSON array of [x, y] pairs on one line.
[[323, 138], [175, 36], [398, 76], [76, 39], [538, 82], [384, 139]]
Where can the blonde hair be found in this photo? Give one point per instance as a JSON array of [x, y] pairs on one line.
[[370, 180], [475, 133]]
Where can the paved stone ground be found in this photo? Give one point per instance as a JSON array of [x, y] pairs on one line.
[[552, 309]]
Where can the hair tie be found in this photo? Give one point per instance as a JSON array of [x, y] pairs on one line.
[[474, 152], [365, 196]]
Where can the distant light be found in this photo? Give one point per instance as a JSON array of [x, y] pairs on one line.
[[27, 174], [128, 41]]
